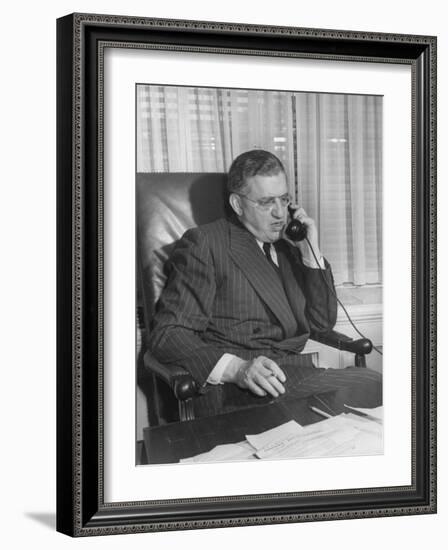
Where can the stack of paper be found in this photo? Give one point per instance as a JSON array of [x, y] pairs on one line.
[[343, 435], [225, 453]]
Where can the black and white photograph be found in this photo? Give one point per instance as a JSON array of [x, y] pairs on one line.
[[222, 236], [246, 284], [259, 274]]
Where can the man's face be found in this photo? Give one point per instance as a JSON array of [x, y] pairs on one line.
[[265, 224]]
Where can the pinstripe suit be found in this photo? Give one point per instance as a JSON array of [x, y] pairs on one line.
[[222, 295]]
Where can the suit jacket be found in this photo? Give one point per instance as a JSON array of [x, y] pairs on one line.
[[222, 295]]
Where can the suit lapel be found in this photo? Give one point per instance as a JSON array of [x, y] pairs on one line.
[[250, 259]]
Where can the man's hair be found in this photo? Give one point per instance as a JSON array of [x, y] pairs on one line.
[[249, 164]]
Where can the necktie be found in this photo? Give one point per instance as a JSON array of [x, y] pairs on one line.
[[267, 251]]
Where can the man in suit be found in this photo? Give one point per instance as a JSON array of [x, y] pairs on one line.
[[241, 300]]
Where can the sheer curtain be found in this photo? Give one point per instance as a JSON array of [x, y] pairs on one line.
[[339, 174], [182, 129], [331, 146]]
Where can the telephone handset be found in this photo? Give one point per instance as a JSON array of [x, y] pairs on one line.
[[296, 230]]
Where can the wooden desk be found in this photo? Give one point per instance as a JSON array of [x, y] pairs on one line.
[[167, 444]]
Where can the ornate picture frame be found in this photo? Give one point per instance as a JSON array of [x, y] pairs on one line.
[[82, 509]]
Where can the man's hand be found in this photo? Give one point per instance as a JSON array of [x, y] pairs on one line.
[[312, 236], [261, 376]]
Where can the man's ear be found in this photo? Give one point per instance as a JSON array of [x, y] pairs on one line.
[[235, 203]]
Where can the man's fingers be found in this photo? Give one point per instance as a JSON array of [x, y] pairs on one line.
[[265, 384], [301, 215], [299, 212], [275, 383], [263, 376], [262, 370], [274, 368], [254, 388]]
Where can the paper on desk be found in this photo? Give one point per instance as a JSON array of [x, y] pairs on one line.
[[279, 436], [342, 435], [224, 453]]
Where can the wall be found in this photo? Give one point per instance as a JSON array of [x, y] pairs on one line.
[[27, 227]]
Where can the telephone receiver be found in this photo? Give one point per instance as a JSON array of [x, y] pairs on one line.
[[295, 230]]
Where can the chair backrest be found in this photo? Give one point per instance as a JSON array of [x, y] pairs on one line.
[[167, 204]]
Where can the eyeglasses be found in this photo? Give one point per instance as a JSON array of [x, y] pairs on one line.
[[270, 202]]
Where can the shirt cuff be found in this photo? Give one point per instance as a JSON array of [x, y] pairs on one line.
[[312, 265], [215, 377]]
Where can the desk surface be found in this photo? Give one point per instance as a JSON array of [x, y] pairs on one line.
[[168, 444]]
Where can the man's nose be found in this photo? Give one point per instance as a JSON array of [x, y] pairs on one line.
[[278, 210]]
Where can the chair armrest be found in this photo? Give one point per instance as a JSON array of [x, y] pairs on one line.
[[362, 346], [178, 379]]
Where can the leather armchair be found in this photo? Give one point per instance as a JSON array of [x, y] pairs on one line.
[[167, 205]]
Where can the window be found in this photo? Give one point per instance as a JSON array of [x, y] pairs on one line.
[[330, 144]]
